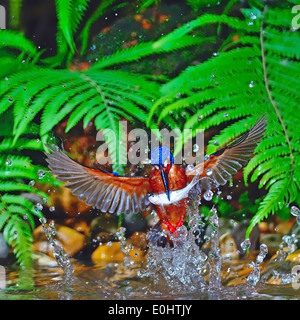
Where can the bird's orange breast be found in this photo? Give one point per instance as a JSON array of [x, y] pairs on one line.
[[171, 216]]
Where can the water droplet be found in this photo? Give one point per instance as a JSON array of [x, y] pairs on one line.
[[209, 171], [81, 197], [10, 99], [229, 197], [260, 258], [44, 200], [208, 195], [252, 16], [245, 245], [295, 211], [214, 220], [206, 157], [31, 183], [55, 147], [52, 208], [195, 147], [251, 84], [250, 23], [263, 249], [178, 95], [8, 162], [38, 207], [254, 276], [23, 61], [190, 167], [41, 174], [216, 143], [215, 54], [43, 220], [200, 117], [25, 217], [109, 243], [226, 115]]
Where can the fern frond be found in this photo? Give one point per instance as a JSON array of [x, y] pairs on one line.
[[64, 16], [84, 34], [146, 4], [142, 50], [10, 39], [106, 96], [17, 213]]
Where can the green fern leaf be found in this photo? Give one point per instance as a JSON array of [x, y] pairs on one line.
[[16, 40], [84, 34]]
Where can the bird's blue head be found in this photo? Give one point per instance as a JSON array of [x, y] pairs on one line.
[[161, 155], [163, 158]]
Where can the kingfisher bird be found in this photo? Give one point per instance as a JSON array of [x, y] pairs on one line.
[[167, 187]]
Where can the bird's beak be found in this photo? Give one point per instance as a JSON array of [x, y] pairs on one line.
[[164, 176]]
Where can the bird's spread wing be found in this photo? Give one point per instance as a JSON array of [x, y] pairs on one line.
[[104, 191], [224, 163]]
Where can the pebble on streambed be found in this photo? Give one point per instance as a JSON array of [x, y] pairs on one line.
[[112, 252], [71, 240]]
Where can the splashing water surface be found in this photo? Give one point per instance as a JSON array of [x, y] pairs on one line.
[[184, 271]]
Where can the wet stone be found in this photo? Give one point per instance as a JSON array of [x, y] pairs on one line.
[[71, 240], [294, 257], [112, 252], [43, 260], [104, 223], [272, 240], [285, 227], [138, 239], [228, 248]]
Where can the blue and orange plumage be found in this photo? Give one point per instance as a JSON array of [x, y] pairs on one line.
[[117, 194]]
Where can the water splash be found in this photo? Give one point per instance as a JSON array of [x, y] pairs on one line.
[[295, 211], [59, 253], [185, 267], [215, 259], [179, 267], [246, 244], [254, 275]]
